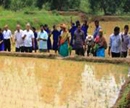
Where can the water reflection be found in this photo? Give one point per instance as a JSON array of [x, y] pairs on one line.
[[42, 83]]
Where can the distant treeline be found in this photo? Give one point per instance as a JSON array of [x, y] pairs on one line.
[[108, 7]]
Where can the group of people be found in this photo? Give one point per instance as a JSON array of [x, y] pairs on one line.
[[65, 40]]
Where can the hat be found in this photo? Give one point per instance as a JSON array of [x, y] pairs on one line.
[[63, 26], [89, 37]]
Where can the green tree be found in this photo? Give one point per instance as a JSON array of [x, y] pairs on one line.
[[39, 3], [107, 6], [126, 7], [5, 3]]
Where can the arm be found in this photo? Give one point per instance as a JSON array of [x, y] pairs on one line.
[[11, 37], [129, 47], [23, 36], [33, 40], [68, 39], [1, 40], [109, 50]]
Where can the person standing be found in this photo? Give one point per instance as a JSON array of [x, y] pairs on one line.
[[35, 39], [18, 39], [102, 45], [1, 41], [97, 29], [56, 35], [49, 45], [64, 42], [125, 37], [28, 37], [72, 30], [85, 28], [7, 38], [79, 41], [89, 43], [42, 40], [115, 43]]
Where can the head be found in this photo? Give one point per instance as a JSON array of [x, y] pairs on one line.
[[18, 27], [100, 33], [28, 26], [116, 31], [72, 24], [77, 23], [126, 29], [61, 26], [41, 27], [96, 23], [64, 28], [79, 27], [46, 26], [54, 27], [6, 27], [33, 29], [85, 22]]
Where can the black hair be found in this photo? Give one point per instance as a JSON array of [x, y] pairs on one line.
[[54, 26], [41, 25], [45, 25], [116, 29], [78, 25], [126, 27], [34, 28], [96, 21]]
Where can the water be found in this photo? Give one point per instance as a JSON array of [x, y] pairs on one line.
[[42, 83]]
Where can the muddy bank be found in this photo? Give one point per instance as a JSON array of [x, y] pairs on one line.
[[124, 97], [74, 58]]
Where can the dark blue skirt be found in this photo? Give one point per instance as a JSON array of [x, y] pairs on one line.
[[55, 45], [49, 46]]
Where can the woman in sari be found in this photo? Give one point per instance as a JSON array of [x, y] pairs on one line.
[[64, 42], [100, 45]]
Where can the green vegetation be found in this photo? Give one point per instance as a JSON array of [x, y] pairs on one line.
[[36, 18], [124, 100], [107, 7]]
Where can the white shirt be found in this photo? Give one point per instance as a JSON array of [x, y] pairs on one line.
[[28, 39], [7, 34], [115, 43], [18, 38], [42, 44]]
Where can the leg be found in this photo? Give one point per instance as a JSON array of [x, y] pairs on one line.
[[126, 54], [17, 49], [26, 49], [88, 51], [83, 52], [22, 49], [113, 54], [5, 45], [8, 45], [118, 55], [30, 49], [77, 51]]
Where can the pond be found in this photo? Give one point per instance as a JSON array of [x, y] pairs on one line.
[[44, 83]]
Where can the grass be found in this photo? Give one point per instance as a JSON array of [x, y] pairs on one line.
[[35, 17]]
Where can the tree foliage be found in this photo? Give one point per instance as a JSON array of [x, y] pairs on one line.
[[94, 6], [110, 6]]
